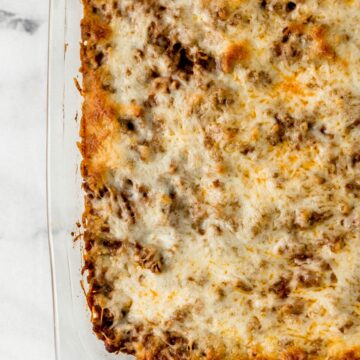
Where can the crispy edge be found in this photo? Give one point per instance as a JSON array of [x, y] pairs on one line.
[[98, 112]]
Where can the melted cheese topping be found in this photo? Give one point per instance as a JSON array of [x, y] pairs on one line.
[[234, 176]]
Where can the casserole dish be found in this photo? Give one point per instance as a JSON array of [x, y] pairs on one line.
[[288, 208]]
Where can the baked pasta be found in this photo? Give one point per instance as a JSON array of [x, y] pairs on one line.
[[221, 165]]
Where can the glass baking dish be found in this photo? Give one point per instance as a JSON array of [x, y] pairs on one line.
[[74, 339]]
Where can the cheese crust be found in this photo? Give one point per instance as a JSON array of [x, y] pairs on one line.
[[221, 165]]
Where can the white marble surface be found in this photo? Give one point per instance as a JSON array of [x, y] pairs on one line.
[[26, 324]]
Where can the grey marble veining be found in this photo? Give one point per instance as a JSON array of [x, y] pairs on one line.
[[26, 323], [11, 21]]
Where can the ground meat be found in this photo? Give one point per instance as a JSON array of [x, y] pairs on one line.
[[239, 17], [113, 245], [352, 108], [206, 61], [126, 209], [292, 46], [101, 287], [149, 258], [335, 242], [348, 325], [157, 38], [353, 186], [281, 288], [301, 256], [242, 285], [179, 347], [316, 217], [295, 308], [353, 125], [127, 124], [306, 218], [309, 278], [280, 7], [181, 57], [254, 324], [259, 78], [355, 158], [107, 318], [182, 313], [287, 127], [160, 85], [221, 98]]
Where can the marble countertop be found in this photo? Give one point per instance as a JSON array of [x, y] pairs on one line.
[[26, 325]]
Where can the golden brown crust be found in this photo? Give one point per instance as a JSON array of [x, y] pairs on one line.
[[235, 53], [100, 122]]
